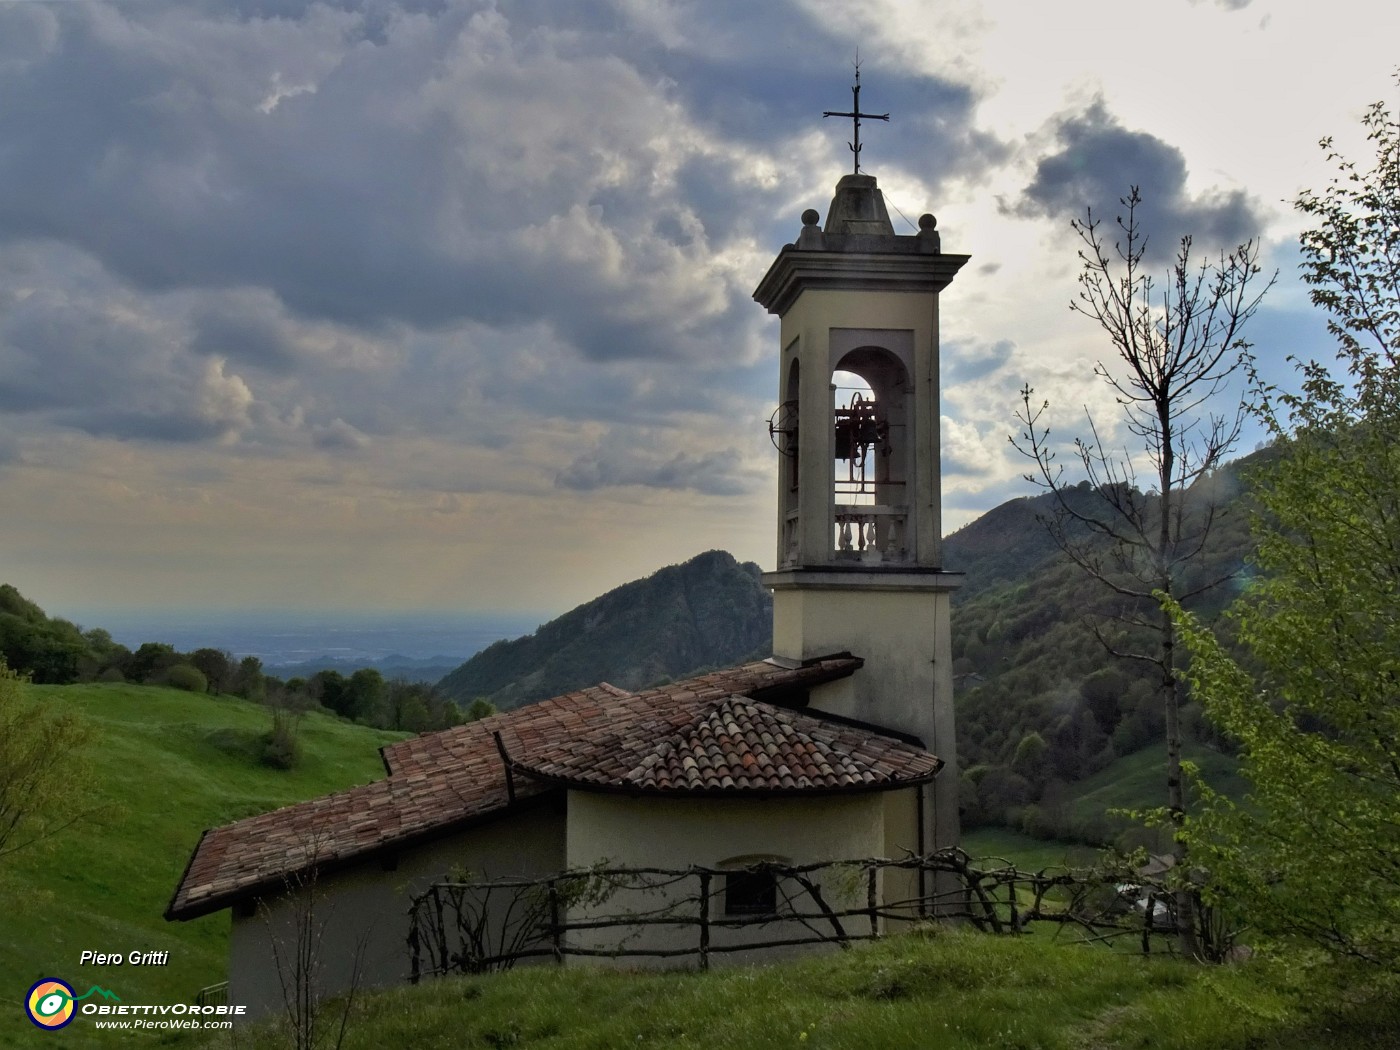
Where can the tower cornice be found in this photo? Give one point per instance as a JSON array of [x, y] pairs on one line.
[[880, 264]]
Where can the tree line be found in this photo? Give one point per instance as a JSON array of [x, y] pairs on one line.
[[54, 651]]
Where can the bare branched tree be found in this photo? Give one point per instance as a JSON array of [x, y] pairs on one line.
[[299, 954], [1178, 347]]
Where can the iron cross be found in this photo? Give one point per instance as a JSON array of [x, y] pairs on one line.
[[855, 116]]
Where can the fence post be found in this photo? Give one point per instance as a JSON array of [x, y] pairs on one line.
[[556, 934], [441, 930], [872, 900], [704, 920], [1148, 922]]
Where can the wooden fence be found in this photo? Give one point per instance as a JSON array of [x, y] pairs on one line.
[[475, 927]]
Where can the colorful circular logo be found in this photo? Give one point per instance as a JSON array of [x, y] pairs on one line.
[[50, 1003]]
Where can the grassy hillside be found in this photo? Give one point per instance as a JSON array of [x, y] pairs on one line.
[[166, 765], [951, 990]]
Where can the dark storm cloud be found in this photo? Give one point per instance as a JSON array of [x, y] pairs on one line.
[[339, 436], [58, 353], [314, 225], [162, 426], [384, 163], [1098, 160], [429, 173], [233, 330], [10, 451]]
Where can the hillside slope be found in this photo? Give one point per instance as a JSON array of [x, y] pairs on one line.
[[165, 765], [708, 612]]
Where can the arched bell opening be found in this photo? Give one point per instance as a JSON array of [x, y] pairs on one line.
[[871, 439]]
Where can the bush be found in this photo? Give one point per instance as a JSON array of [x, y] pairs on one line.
[[187, 677], [280, 748]]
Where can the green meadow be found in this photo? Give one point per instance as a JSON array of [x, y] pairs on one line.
[[952, 990]]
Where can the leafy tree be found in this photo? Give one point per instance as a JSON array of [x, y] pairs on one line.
[[1178, 346], [150, 661], [478, 709], [16, 604], [49, 651], [216, 666], [1316, 715], [410, 706], [328, 688], [367, 696], [104, 654], [41, 772], [248, 679]]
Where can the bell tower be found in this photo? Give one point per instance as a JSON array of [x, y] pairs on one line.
[[859, 529]]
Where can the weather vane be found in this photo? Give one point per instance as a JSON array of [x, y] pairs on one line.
[[856, 115]]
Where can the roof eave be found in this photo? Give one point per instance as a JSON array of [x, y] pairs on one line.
[[639, 791], [283, 881]]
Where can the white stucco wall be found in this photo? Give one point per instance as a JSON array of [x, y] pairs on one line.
[[901, 840], [621, 831], [900, 626], [366, 902]]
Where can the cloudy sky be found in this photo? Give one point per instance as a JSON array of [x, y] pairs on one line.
[[446, 304]]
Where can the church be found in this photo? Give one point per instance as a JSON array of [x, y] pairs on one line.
[[841, 745]]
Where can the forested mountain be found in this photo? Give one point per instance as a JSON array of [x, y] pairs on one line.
[[1041, 703], [709, 612]]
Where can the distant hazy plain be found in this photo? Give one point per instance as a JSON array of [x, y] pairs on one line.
[[281, 638]]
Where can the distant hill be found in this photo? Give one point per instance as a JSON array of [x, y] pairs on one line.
[[1004, 544], [711, 611]]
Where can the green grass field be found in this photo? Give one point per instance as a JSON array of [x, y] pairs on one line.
[[1024, 852], [951, 990], [1140, 780], [166, 765]]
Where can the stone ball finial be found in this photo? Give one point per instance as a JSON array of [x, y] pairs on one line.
[[927, 222], [811, 217]]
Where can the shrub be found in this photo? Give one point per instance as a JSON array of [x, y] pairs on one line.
[[280, 748], [187, 677]]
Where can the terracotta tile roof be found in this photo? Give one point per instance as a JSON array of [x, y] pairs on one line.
[[744, 745], [708, 734], [690, 739]]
